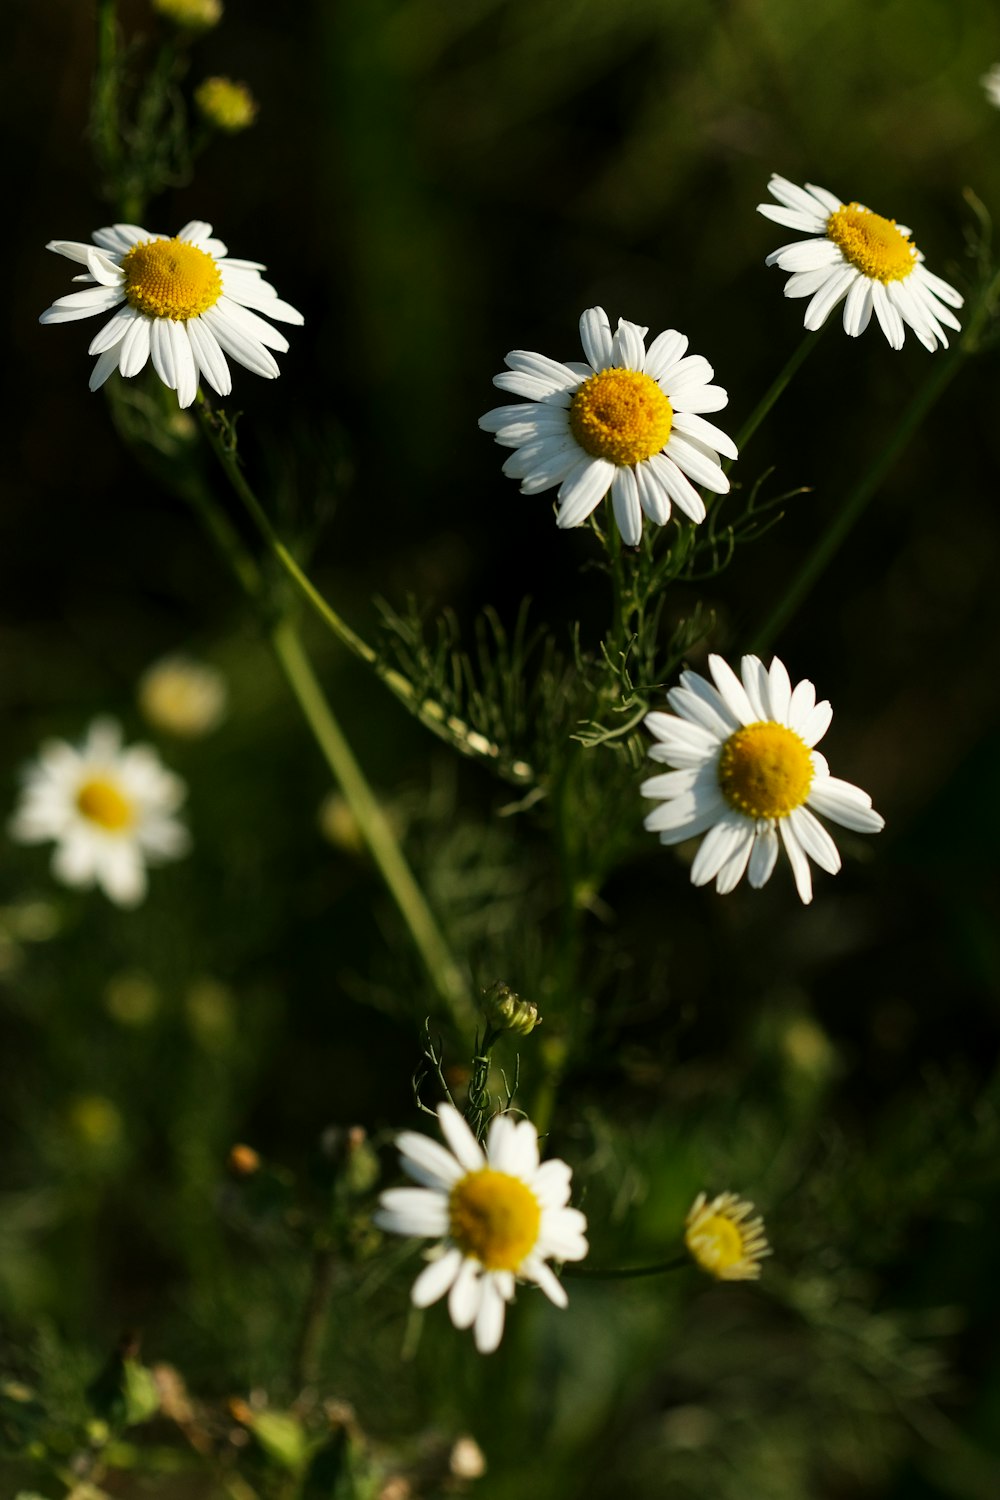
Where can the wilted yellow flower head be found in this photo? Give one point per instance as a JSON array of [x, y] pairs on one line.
[[226, 105], [195, 15], [182, 697], [723, 1241]]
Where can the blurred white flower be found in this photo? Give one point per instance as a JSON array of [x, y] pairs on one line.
[[498, 1214], [745, 771], [991, 83], [186, 306], [629, 421], [862, 257], [183, 697], [109, 810]]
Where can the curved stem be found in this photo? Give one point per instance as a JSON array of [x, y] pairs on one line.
[[442, 970], [775, 389], [626, 1273]]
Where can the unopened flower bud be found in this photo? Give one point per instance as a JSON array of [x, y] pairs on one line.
[[243, 1160], [226, 105], [192, 15], [506, 1011]]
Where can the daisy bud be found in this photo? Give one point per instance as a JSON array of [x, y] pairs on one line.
[[225, 105], [506, 1011]]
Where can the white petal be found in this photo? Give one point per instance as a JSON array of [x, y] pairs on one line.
[[121, 874], [698, 701], [731, 873], [466, 1295], [666, 349], [162, 350], [815, 840], [249, 323], [114, 330], [625, 503], [133, 351], [826, 299], [845, 804], [415, 1211], [857, 308], [545, 1278], [463, 1143], [428, 1162], [629, 349], [732, 690], [889, 320], [713, 437], [249, 352], [436, 1279], [779, 691], [754, 676], [184, 362], [583, 490], [680, 489], [209, 356], [802, 704], [103, 367], [551, 1183], [798, 861], [652, 496], [816, 722], [763, 856], [718, 845], [490, 1318], [595, 336]]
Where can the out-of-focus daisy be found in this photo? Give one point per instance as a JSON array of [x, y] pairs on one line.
[[629, 421], [858, 256], [109, 810], [746, 772], [498, 1214], [182, 697], [182, 302], [991, 83], [724, 1240]]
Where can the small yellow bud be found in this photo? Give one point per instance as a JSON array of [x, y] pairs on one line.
[[192, 15], [226, 105], [506, 1011], [182, 697]]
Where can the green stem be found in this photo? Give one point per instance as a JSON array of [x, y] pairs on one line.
[[852, 508], [430, 713], [774, 390], [105, 105], [314, 1319], [441, 968], [626, 1273]]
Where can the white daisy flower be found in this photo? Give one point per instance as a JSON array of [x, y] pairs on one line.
[[746, 772], [498, 1214], [628, 421], [991, 83], [183, 302], [862, 257], [109, 810]]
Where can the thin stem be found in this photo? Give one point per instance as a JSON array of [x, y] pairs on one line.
[[314, 1318], [775, 389], [430, 713], [851, 510], [441, 968], [105, 99], [626, 1273]]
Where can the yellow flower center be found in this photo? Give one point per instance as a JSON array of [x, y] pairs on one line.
[[765, 770], [495, 1218], [873, 244], [171, 279], [715, 1243], [621, 415], [102, 803]]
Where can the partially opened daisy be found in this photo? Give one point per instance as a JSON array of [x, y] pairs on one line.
[[629, 421], [746, 775], [722, 1238], [109, 810], [182, 302], [498, 1214], [858, 256]]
